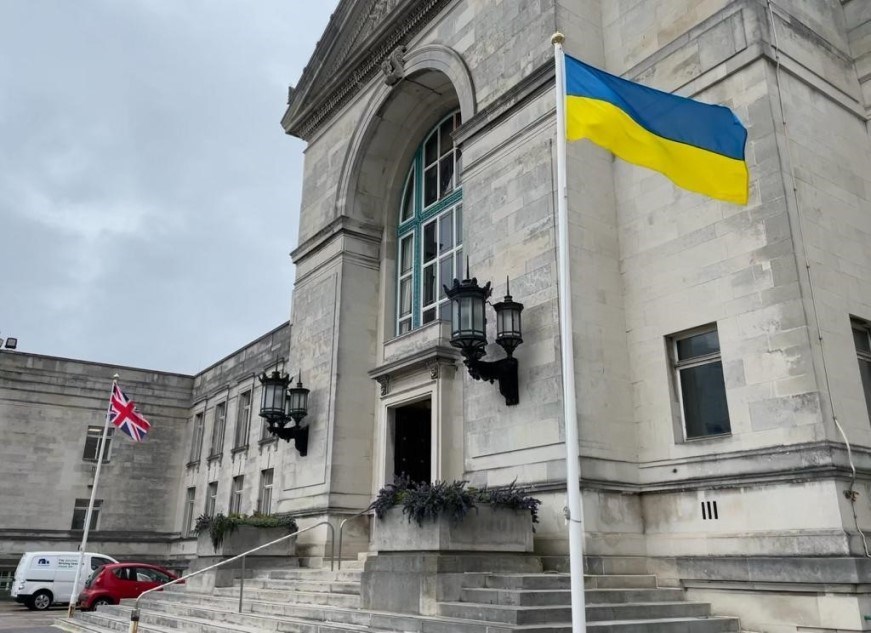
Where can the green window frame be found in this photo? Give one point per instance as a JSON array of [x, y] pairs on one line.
[[430, 231]]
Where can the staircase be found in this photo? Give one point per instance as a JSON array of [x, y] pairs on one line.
[[321, 601]]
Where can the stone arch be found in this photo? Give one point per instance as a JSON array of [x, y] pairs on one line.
[[435, 79]]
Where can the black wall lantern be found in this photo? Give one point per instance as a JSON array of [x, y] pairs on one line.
[[469, 333], [280, 405]]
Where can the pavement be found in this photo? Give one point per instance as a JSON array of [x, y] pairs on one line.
[[16, 618]]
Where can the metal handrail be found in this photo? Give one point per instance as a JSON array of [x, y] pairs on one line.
[[134, 615], [367, 511]]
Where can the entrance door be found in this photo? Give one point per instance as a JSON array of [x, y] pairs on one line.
[[412, 441]]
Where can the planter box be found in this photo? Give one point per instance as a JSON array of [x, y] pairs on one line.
[[243, 539], [484, 529]]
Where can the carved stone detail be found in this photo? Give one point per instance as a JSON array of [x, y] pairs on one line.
[[384, 381], [394, 66], [433, 366], [302, 123]]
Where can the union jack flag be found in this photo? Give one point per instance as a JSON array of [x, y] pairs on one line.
[[123, 414]]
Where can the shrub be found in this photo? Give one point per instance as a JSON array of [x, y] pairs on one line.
[[427, 501], [220, 525]]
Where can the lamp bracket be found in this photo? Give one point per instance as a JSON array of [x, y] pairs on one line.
[[299, 435], [504, 370]]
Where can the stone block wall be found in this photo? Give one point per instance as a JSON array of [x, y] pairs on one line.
[[46, 407]]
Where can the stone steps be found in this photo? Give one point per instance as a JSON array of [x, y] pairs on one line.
[[273, 584], [563, 581], [542, 597], [321, 601], [338, 599], [510, 614]]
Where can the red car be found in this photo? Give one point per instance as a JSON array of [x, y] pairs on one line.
[[111, 583]]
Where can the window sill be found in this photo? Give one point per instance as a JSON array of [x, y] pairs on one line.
[[239, 449], [193, 464], [706, 438], [267, 440], [215, 457]]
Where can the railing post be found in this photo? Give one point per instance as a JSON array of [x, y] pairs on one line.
[[242, 585], [134, 620]]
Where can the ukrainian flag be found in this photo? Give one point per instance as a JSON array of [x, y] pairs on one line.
[[699, 147]]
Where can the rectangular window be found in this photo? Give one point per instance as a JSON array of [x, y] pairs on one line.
[[236, 495], [264, 502], [80, 511], [441, 257], [700, 386], [406, 274], [211, 498], [197, 438], [862, 340], [243, 420], [265, 435], [218, 429], [92, 444], [188, 518]]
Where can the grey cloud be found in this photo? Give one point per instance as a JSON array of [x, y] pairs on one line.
[[148, 196]]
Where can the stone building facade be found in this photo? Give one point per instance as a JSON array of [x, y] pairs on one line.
[[52, 412], [718, 348], [722, 353]]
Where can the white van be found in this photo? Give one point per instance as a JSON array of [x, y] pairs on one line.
[[46, 578]]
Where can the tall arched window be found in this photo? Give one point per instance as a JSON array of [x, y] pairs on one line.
[[430, 232]]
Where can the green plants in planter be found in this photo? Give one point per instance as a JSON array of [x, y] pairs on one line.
[[220, 526], [423, 501]]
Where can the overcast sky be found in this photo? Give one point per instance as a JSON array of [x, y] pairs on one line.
[[148, 195]]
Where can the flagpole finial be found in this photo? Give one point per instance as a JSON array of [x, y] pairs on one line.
[[557, 38], [115, 378]]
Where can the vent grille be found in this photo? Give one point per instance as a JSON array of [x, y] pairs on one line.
[[709, 511]]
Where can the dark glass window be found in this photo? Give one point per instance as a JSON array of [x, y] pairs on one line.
[[862, 340], [80, 511], [702, 389], [92, 444]]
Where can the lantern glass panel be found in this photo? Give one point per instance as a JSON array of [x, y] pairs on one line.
[[478, 314], [465, 313]]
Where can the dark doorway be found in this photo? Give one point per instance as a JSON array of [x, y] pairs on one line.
[[411, 441]]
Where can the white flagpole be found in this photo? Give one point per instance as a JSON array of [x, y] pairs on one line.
[[87, 527], [575, 510]]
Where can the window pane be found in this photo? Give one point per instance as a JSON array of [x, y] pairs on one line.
[[429, 315], [405, 297], [459, 165], [408, 198], [446, 274], [865, 371], [405, 326], [445, 311], [446, 175], [429, 242], [460, 267], [860, 338], [704, 400], [458, 212], [431, 151], [698, 345], [429, 282], [447, 143], [406, 255], [430, 190], [446, 231]]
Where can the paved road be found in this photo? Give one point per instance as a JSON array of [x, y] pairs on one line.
[[16, 618]]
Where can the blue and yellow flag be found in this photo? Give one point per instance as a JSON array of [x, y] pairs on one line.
[[699, 147]]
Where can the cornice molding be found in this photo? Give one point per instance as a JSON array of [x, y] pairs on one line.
[[346, 72]]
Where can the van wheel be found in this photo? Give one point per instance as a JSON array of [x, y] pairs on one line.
[[40, 601]]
